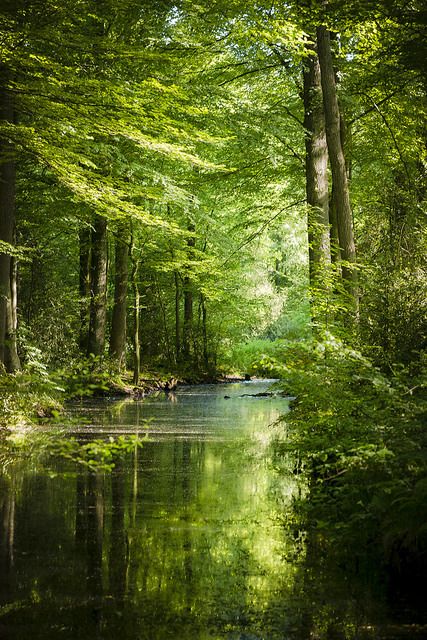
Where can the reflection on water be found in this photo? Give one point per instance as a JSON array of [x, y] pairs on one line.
[[191, 537], [185, 538]]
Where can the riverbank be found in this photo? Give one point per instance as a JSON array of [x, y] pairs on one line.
[[28, 398]]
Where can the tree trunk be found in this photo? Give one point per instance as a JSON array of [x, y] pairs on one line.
[[98, 307], [338, 167], [118, 324], [334, 238], [136, 316], [187, 328], [204, 332], [316, 162], [84, 285], [167, 345], [8, 351], [177, 318], [12, 359]]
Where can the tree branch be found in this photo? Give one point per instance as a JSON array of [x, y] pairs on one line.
[[375, 106], [246, 73], [256, 233]]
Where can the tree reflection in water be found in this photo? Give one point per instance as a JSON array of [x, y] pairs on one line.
[[189, 537]]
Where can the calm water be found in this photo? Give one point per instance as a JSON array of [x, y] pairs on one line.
[[184, 539], [189, 537]]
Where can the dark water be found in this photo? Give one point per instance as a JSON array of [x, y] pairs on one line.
[[189, 537]]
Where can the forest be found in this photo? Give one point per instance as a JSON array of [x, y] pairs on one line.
[[190, 191]]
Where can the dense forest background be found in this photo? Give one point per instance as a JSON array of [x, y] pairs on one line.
[[165, 185], [194, 189]]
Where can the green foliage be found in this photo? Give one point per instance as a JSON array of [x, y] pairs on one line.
[[263, 358], [95, 455], [361, 442], [43, 448], [87, 377], [242, 357], [28, 396]]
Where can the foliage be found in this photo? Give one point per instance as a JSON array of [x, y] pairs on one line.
[[43, 448], [86, 377], [95, 455], [361, 443], [257, 357], [183, 126], [28, 396]]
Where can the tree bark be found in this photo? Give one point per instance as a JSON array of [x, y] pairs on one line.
[[204, 332], [8, 350], [334, 237], [187, 327], [84, 285], [338, 167], [177, 318], [316, 162], [98, 307], [12, 361], [118, 324], [136, 315]]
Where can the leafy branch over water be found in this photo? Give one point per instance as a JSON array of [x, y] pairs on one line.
[[96, 455], [42, 449]]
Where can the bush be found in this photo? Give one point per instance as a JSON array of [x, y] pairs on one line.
[[361, 440]]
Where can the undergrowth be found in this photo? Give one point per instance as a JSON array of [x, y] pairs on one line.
[[361, 444]]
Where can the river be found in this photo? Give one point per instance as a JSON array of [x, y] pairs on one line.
[[189, 537]]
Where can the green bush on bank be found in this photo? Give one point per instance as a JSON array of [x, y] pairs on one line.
[[263, 358], [361, 442], [26, 396]]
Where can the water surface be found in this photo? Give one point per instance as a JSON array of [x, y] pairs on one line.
[[184, 539], [192, 536]]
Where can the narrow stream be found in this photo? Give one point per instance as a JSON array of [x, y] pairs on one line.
[[184, 539], [188, 538]]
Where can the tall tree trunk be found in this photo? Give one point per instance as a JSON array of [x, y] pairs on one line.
[[177, 318], [84, 285], [169, 351], [14, 293], [178, 352], [118, 324], [338, 166], [187, 327], [316, 162], [334, 237], [13, 362], [98, 307], [8, 351], [136, 314], [204, 332]]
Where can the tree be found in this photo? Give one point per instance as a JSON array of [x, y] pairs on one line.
[[98, 287], [84, 284], [316, 172], [187, 325], [119, 318], [338, 167], [8, 352]]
